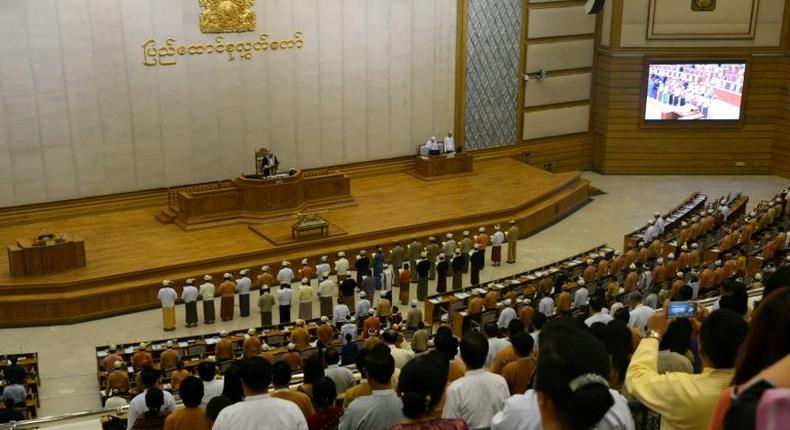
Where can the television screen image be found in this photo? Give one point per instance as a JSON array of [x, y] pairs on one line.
[[694, 91]]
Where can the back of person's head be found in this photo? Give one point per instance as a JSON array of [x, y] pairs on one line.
[[360, 362], [379, 364], [324, 393], [491, 329], [622, 314], [777, 280], [721, 335], [684, 294], [8, 402], [180, 364], [619, 344], [522, 343], [474, 349], [447, 345], [191, 391], [767, 340], [256, 373], [149, 377], [154, 399], [678, 337], [421, 385], [281, 374], [443, 329], [515, 326], [313, 370], [207, 370], [331, 356], [348, 338], [596, 303], [231, 383], [738, 300], [598, 330], [390, 336], [539, 321], [575, 383], [215, 406]]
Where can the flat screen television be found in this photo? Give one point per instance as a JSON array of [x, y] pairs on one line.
[[681, 91]]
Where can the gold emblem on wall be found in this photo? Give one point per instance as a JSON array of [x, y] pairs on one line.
[[227, 16], [703, 5]]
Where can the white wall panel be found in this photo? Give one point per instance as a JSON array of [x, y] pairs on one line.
[[562, 21], [560, 55], [556, 122], [79, 108], [557, 89]]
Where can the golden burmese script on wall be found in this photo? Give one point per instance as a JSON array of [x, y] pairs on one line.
[[227, 16], [165, 55]]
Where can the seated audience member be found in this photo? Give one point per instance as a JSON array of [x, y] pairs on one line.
[[179, 375], [639, 312], [571, 389], [231, 384], [281, 381], [293, 358], [674, 349], [618, 343], [382, 408], [538, 322], [214, 407], [115, 400], [479, 395], [421, 387], [596, 310], [258, 407], [507, 354], [191, 416], [16, 372], [154, 416], [686, 400], [623, 315], [327, 415], [342, 377], [212, 387], [149, 378], [313, 372], [10, 413], [766, 343], [495, 344], [419, 340], [393, 341], [15, 391], [518, 373], [119, 378], [349, 351], [361, 389]]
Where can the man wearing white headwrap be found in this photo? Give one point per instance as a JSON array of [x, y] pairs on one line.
[[442, 267], [414, 250], [659, 222], [322, 269], [363, 306], [433, 146], [650, 232], [227, 291], [243, 286], [449, 245], [423, 270], [341, 267], [396, 260], [466, 247], [286, 275], [482, 240], [497, 239], [167, 297], [306, 300], [506, 315], [207, 295], [265, 306], [190, 294], [457, 264], [284, 296], [432, 251], [449, 145], [476, 264], [326, 290]]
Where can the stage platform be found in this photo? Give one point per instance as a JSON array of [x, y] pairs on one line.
[[129, 252]]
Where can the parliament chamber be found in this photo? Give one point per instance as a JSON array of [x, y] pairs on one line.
[[245, 198]]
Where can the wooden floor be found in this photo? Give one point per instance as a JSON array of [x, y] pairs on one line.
[[129, 252]]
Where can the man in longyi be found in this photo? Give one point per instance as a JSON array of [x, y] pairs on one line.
[[512, 242], [207, 295], [190, 294], [227, 291], [167, 297], [243, 286]]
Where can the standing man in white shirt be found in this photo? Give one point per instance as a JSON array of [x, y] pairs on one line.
[[286, 275], [507, 314], [363, 307], [212, 387], [322, 269], [433, 146], [341, 267], [479, 394], [284, 296], [258, 407], [497, 239], [167, 297], [149, 377], [341, 376], [546, 306], [348, 328], [243, 285], [393, 340], [383, 408], [495, 344], [326, 290], [449, 144], [207, 290], [190, 294]]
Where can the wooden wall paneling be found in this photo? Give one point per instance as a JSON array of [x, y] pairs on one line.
[[625, 148], [780, 151]]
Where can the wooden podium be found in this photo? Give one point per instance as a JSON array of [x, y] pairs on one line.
[[36, 257], [442, 165], [252, 199]]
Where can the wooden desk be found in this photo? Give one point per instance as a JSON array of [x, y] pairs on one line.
[[440, 165], [26, 259], [252, 199], [323, 226]]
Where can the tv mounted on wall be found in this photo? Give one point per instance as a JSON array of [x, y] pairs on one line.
[[681, 91]]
